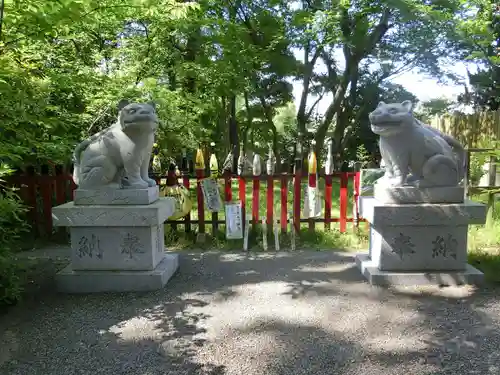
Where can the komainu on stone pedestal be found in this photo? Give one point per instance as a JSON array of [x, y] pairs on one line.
[[414, 153], [118, 156], [418, 215], [116, 218]]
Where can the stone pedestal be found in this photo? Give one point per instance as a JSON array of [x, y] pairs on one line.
[[116, 247], [419, 236]]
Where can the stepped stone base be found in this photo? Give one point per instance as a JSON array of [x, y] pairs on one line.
[[83, 197], [470, 275], [70, 281], [409, 194]]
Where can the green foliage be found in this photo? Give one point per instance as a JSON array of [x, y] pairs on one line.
[[12, 226], [363, 156], [480, 42], [433, 107]]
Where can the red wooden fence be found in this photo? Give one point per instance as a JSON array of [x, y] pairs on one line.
[[42, 191]]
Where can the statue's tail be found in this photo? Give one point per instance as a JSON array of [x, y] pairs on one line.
[[460, 154], [457, 148], [76, 160], [78, 151]]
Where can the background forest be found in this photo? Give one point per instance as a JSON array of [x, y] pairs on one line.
[[222, 70]]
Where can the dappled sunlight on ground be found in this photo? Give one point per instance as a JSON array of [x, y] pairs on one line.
[[273, 314]]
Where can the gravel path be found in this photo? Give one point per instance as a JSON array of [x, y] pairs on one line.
[[301, 313]]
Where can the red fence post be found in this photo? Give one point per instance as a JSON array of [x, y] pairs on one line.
[[171, 181], [185, 182], [312, 170], [214, 173], [46, 195], [30, 188], [344, 182], [297, 184], [242, 188], [228, 193], [357, 180], [270, 168], [60, 185], [200, 170], [328, 185], [256, 171], [284, 196]]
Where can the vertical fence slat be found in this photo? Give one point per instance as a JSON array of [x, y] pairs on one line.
[[242, 193], [255, 199], [171, 181], [185, 182], [357, 181], [328, 200], [61, 190], [270, 199], [214, 172], [31, 202], [296, 199], [312, 180], [344, 180], [271, 167], [60, 185], [256, 171], [329, 166], [46, 196], [284, 194], [187, 219], [297, 184], [200, 170], [228, 193]]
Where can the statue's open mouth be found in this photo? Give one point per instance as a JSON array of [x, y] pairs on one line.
[[386, 124], [139, 120]]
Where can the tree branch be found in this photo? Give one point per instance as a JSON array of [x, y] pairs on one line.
[[302, 118], [309, 113], [376, 35]]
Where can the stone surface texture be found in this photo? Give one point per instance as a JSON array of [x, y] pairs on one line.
[[411, 194], [118, 156], [116, 248], [403, 248], [415, 153], [70, 280], [84, 197], [425, 241], [70, 215], [427, 214], [467, 276]]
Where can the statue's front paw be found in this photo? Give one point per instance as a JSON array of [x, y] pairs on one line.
[[396, 182], [151, 182], [136, 184], [390, 181]]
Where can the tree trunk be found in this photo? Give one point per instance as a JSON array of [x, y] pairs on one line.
[[233, 132]]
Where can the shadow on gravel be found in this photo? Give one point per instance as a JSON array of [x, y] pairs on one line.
[[160, 332], [224, 270], [465, 329], [130, 333]]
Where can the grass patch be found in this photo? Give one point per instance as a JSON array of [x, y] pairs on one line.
[[319, 239], [488, 261], [484, 244]]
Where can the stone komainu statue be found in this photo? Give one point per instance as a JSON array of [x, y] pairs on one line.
[[415, 153], [118, 156]]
